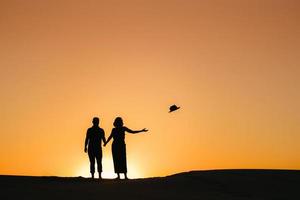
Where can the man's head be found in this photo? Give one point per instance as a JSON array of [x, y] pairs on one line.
[[95, 121]]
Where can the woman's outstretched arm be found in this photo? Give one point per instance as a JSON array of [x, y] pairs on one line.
[[132, 131], [109, 138]]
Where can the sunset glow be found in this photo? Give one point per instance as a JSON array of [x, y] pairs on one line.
[[108, 172], [232, 65]]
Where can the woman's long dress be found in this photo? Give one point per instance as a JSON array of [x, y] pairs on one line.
[[119, 150]]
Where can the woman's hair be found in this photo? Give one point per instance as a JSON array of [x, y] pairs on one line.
[[118, 122]]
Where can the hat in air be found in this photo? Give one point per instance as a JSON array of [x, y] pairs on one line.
[[173, 108]]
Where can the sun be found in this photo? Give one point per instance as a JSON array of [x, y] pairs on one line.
[[108, 170], [84, 171], [108, 173]]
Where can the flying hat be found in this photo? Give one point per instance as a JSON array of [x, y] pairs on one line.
[[173, 108]]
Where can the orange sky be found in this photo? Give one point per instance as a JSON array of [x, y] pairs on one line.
[[233, 66]]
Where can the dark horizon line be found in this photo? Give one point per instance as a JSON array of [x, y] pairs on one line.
[[170, 175]]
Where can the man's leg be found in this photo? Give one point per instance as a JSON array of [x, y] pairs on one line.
[[99, 163], [92, 163]]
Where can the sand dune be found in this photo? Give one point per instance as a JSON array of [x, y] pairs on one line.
[[214, 184]]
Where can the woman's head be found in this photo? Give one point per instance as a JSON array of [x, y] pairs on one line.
[[118, 122]]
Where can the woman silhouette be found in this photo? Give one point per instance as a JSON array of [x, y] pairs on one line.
[[119, 146]]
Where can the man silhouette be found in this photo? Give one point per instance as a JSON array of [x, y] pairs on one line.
[[92, 145]]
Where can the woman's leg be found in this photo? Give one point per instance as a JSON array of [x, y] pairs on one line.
[[118, 176], [125, 174]]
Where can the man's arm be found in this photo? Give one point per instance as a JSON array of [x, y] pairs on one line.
[[86, 141], [103, 138]]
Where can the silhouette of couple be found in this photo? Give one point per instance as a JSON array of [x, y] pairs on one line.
[[92, 146]]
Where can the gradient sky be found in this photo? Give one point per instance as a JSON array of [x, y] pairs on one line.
[[232, 65]]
